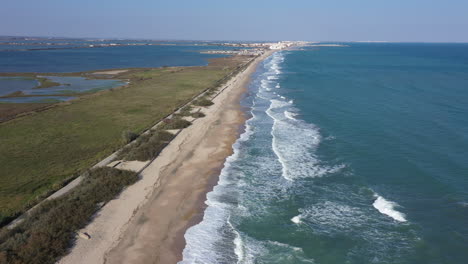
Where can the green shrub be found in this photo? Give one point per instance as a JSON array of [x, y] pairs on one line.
[[203, 102], [147, 146], [198, 114], [210, 92], [176, 123], [185, 111], [129, 136], [49, 231]]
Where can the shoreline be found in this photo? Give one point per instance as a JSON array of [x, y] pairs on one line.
[[152, 215]]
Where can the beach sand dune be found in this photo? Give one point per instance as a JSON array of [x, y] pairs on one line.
[[147, 222]]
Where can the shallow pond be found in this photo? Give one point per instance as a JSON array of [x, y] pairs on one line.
[[68, 85], [9, 85]]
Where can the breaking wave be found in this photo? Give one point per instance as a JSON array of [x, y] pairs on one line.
[[388, 208]]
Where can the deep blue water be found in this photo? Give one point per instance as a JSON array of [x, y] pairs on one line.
[[353, 154], [87, 59]]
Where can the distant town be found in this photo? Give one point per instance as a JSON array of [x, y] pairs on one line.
[[40, 43], [255, 49]]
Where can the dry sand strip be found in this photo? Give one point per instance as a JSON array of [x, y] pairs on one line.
[[147, 222]]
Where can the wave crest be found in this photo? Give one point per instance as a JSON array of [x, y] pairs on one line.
[[388, 208]]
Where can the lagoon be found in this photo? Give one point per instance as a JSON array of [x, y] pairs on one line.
[[68, 85]]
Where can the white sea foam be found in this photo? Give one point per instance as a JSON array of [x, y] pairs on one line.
[[388, 208], [278, 86], [346, 212], [215, 239], [296, 219], [332, 218], [294, 143], [202, 238], [239, 245], [285, 253], [290, 115], [264, 84]]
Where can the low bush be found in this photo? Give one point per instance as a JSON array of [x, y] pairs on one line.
[[147, 146], [210, 92], [185, 111], [129, 136], [203, 102], [49, 231], [198, 114], [176, 123]]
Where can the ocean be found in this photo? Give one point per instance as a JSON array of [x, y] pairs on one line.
[[355, 154]]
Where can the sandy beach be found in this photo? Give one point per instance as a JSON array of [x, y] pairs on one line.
[[147, 222]]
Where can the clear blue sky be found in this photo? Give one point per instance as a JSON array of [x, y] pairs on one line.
[[396, 20]]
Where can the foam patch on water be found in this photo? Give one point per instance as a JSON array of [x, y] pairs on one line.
[[294, 143], [388, 208], [290, 115], [296, 219], [277, 252], [239, 245], [351, 219]]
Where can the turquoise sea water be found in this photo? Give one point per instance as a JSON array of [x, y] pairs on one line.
[[353, 154]]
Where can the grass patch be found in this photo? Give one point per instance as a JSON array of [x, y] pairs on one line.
[[49, 232], [147, 146], [43, 149]]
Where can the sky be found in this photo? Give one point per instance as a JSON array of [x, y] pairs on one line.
[[310, 20]]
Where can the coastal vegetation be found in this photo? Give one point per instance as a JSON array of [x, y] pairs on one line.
[[49, 231], [129, 136], [198, 114], [42, 150], [147, 146], [185, 111], [203, 102], [175, 123]]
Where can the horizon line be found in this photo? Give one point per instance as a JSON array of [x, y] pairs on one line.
[[213, 40]]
